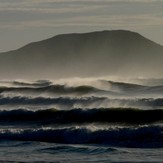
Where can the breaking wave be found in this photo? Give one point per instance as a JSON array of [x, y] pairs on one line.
[[81, 102], [145, 136], [80, 116], [109, 88], [126, 114]]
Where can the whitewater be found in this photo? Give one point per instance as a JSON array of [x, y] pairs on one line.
[[81, 120]]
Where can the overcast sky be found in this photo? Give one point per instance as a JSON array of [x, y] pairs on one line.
[[25, 21]]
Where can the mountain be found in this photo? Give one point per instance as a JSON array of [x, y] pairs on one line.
[[116, 52]]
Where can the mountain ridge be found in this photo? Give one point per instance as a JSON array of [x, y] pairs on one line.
[[84, 54], [94, 32]]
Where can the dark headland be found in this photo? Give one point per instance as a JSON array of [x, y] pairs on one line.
[[116, 52]]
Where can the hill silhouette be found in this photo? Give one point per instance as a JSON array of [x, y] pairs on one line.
[[116, 52]]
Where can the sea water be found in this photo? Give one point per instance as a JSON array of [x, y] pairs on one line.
[[20, 151], [81, 120]]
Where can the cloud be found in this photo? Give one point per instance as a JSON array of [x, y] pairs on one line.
[[124, 22], [23, 14]]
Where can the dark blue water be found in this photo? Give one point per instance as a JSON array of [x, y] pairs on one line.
[[81, 120]]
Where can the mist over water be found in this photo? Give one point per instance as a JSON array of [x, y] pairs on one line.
[[104, 53]]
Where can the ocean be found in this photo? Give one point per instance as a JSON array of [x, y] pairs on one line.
[[81, 120]]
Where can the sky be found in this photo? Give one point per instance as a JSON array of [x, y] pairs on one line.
[[25, 21]]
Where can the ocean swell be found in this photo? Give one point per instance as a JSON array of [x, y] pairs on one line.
[[146, 136], [102, 115]]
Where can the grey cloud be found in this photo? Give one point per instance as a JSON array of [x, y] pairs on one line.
[[34, 13]]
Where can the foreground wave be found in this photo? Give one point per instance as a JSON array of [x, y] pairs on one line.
[[147, 136]]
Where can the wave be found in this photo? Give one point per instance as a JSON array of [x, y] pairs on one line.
[[109, 88], [120, 112], [133, 89], [126, 86], [80, 116], [61, 102], [39, 83], [81, 102], [148, 81], [145, 136], [78, 149], [55, 89]]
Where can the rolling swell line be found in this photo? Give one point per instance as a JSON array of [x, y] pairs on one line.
[[144, 137], [79, 149], [48, 101], [82, 101], [80, 116], [58, 89]]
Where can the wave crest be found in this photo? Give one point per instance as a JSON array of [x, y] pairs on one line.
[[147, 136], [103, 115]]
